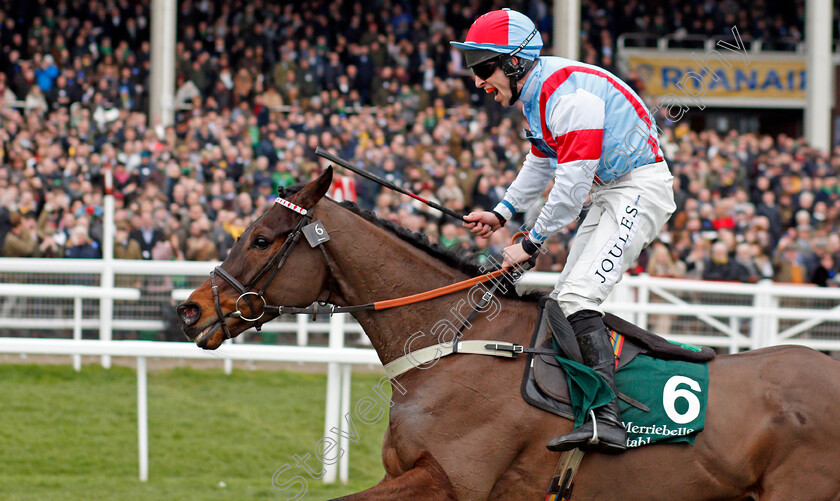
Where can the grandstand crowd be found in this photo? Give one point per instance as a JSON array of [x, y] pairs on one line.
[[261, 84]]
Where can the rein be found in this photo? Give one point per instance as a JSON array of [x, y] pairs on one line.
[[280, 257]]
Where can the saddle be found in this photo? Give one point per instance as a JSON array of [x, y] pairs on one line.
[[544, 382]]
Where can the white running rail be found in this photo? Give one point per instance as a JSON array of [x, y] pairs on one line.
[[724, 315]]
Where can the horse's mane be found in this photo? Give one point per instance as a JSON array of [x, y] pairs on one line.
[[422, 242]]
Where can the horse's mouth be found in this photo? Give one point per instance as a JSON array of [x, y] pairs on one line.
[[206, 339]]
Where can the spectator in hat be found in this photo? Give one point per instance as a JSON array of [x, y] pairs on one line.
[[265, 190], [789, 264]]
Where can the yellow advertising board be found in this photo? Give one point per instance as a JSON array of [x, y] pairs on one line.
[[713, 75]]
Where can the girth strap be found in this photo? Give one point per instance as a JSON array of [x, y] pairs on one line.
[[425, 355]]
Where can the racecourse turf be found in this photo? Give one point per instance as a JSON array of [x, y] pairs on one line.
[[69, 435]]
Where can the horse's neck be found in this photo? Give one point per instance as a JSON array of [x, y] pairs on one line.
[[373, 265]]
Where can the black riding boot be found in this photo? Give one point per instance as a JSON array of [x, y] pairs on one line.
[[607, 433]]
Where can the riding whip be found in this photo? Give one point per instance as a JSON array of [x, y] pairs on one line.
[[376, 179]]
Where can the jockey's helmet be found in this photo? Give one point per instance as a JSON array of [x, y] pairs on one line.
[[502, 34]]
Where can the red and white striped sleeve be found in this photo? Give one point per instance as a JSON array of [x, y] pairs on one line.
[[575, 126]]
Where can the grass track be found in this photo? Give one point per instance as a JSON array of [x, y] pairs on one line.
[[68, 435]]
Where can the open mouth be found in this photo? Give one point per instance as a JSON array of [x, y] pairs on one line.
[[490, 89], [204, 336]]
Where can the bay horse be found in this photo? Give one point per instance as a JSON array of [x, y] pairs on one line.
[[460, 430]]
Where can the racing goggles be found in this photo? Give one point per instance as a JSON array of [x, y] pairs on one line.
[[485, 69]]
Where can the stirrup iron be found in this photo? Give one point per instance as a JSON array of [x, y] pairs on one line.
[[594, 440]]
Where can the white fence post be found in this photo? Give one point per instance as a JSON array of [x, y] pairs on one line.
[[302, 332], [142, 420], [332, 418], [77, 330], [228, 362], [106, 304], [623, 293], [767, 304], [772, 321], [733, 340], [759, 322], [344, 442]]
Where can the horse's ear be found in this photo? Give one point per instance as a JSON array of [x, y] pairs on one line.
[[315, 190]]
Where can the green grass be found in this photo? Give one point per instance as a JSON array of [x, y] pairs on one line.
[[68, 435]]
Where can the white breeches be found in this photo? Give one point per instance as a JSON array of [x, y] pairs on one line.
[[624, 217]]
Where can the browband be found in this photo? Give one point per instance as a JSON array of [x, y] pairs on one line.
[[289, 205]]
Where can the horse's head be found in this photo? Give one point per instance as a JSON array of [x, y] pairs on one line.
[[271, 263]]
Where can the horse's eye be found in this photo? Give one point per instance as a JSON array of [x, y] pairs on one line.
[[261, 243]]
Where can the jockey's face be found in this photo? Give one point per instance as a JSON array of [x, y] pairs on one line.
[[497, 83]]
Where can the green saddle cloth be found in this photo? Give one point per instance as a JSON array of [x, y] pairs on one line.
[[676, 393]]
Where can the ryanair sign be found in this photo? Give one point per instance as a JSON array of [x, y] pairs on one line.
[[720, 78]]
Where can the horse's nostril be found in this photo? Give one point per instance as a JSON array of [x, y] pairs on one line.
[[189, 313]]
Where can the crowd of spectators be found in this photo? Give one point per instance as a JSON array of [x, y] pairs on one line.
[[261, 84]]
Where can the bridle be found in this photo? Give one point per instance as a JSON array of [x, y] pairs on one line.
[[245, 291], [280, 258]]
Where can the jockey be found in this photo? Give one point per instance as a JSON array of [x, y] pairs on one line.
[[595, 138]]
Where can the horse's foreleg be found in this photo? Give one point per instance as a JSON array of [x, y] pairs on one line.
[[426, 480]]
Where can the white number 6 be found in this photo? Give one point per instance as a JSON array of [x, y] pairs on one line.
[[319, 230], [670, 395]]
